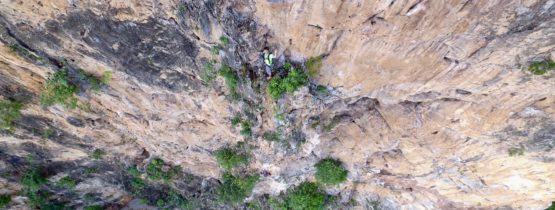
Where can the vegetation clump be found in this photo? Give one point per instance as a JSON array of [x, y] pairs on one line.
[[306, 196], [208, 74], [5, 200], [66, 182], [224, 40], [293, 81], [541, 67], [231, 79], [9, 112], [58, 90], [330, 171], [228, 158], [516, 151], [236, 189], [155, 170], [313, 65], [271, 136], [246, 129], [98, 154]]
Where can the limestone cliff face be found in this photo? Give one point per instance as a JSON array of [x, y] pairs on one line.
[[426, 97]]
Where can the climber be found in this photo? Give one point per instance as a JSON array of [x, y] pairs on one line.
[[268, 60]]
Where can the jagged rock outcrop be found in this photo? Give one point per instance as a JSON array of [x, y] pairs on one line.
[[425, 98]]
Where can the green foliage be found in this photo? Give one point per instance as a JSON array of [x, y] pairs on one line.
[[516, 151], [133, 171], [552, 207], [106, 77], [306, 196], [246, 128], [330, 171], [14, 48], [98, 154], [208, 74], [47, 133], [215, 50], [160, 203], [32, 180], [541, 67], [322, 90], [9, 112], [224, 40], [228, 158], [293, 81], [137, 183], [5, 200], [277, 203], [231, 79], [94, 207], [66, 182], [271, 136], [52, 206], [58, 90], [235, 120], [313, 65], [235, 189], [175, 199], [155, 170]]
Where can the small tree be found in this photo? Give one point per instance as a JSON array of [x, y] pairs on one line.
[[330, 171], [306, 196], [228, 158]]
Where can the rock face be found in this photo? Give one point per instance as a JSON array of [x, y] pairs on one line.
[[426, 101]]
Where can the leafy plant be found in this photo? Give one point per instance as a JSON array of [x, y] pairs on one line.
[[215, 50], [228, 158], [516, 151], [235, 189], [293, 81], [9, 112], [5, 200], [66, 182], [224, 40], [133, 171], [541, 67], [232, 80], [94, 207], [330, 171], [137, 183], [24, 52], [58, 90], [235, 120], [106, 77], [175, 199], [98, 154], [322, 90], [155, 170], [246, 129], [277, 203], [552, 207], [313, 65], [208, 74], [271, 136], [32, 180], [306, 196], [47, 133]]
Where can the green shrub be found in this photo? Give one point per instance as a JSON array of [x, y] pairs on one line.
[[5, 200], [271, 136], [9, 112], [208, 74], [541, 67], [246, 128], [137, 183], [215, 50], [94, 207], [306, 196], [235, 120], [106, 77], [155, 170], [231, 79], [516, 151], [175, 199], [228, 158], [293, 81], [98, 154], [552, 207], [313, 65], [66, 182], [276, 203], [133, 171], [235, 189], [32, 180], [330, 171], [58, 90], [322, 90], [14, 48], [224, 40]]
